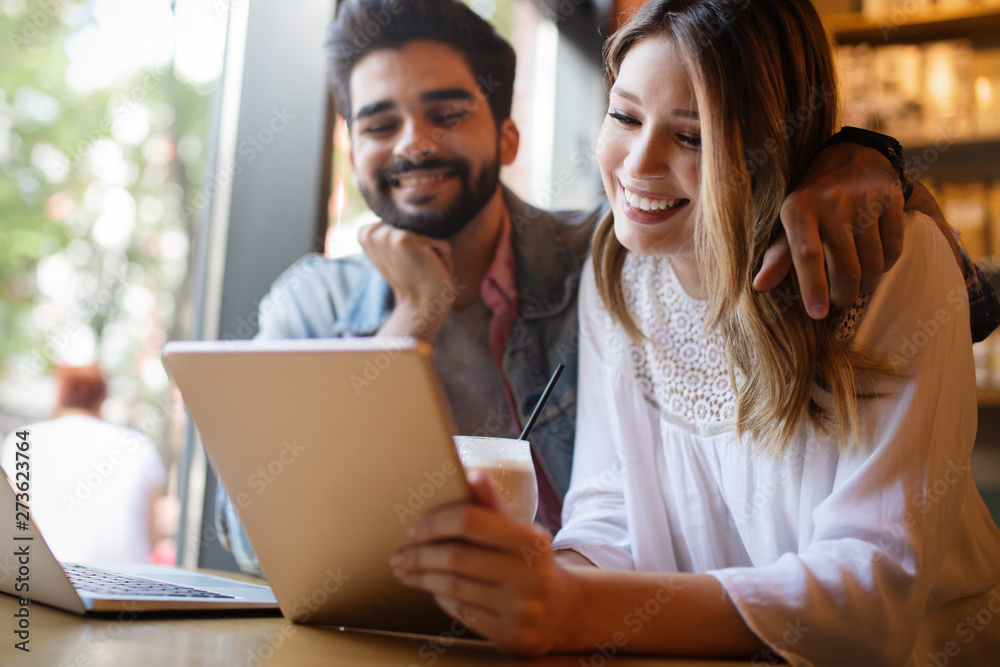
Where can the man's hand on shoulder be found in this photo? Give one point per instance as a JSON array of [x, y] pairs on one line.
[[844, 222], [421, 273]]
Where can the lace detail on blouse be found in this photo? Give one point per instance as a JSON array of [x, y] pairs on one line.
[[680, 366], [845, 331]]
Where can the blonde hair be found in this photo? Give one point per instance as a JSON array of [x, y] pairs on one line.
[[763, 77]]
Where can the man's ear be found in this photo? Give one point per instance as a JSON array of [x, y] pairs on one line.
[[510, 139]]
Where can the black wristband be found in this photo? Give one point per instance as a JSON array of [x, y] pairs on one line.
[[884, 144]]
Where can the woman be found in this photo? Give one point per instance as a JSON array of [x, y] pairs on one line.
[[806, 483]]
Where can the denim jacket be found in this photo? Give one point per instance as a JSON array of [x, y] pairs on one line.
[[330, 298]]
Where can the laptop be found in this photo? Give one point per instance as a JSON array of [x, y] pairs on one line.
[[29, 569], [329, 449]]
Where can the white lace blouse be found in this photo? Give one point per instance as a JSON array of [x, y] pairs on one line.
[[876, 558]]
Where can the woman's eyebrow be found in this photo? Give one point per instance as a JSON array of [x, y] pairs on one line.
[[621, 92], [679, 111]]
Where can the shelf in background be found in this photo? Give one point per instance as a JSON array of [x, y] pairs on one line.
[[931, 23], [968, 158], [989, 398]]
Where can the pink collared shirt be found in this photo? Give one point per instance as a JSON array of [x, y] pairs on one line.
[[499, 291]]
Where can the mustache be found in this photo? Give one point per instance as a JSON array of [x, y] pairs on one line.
[[405, 166]]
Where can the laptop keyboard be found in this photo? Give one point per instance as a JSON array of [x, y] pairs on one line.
[[93, 580]]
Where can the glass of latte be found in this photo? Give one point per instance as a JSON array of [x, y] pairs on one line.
[[507, 464]]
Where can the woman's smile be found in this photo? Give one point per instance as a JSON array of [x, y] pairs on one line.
[[649, 208]]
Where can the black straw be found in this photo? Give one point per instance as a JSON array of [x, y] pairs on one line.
[[541, 402]]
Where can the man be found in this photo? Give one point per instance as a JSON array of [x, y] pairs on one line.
[[462, 263], [94, 484]]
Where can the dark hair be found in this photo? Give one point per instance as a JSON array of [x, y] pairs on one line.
[[364, 26], [81, 387]]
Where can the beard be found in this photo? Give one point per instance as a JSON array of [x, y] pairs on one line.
[[441, 223]]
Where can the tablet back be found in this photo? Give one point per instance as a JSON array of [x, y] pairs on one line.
[[328, 449]]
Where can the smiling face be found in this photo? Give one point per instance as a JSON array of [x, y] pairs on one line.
[[425, 147], [650, 152]]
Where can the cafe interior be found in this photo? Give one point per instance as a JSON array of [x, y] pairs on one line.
[[235, 172]]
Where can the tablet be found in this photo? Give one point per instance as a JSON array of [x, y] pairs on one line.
[[328, 449]]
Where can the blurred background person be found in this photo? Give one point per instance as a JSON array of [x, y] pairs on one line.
[[93, 484]]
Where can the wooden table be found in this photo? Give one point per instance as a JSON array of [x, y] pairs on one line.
[[60, 639]]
